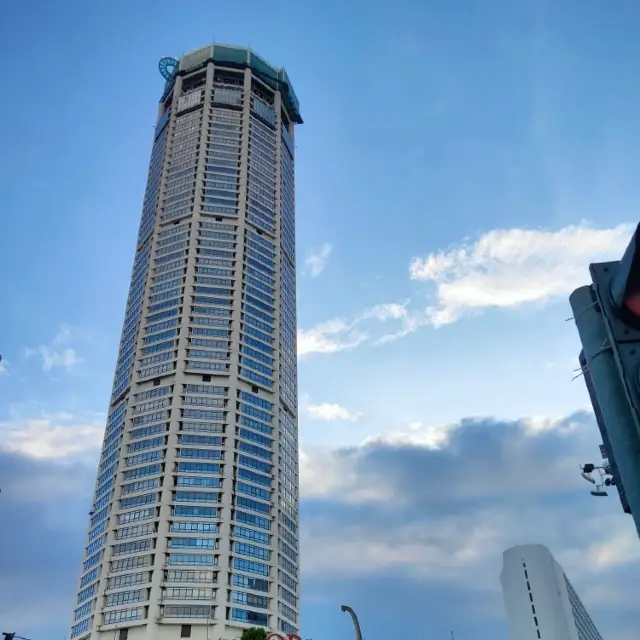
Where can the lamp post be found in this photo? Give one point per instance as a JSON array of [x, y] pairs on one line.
[[354, 617]]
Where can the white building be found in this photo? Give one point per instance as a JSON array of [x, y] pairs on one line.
[[194, 525], [540, 601]]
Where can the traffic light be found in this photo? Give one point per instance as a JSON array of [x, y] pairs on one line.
[[625, 284], [607, 315]]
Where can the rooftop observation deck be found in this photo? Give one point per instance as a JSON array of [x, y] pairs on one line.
[[236, 58]]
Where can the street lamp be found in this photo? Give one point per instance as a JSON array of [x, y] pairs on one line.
[[354, 617]]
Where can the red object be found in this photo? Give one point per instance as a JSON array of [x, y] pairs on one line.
[[632, 304], [277, 636]]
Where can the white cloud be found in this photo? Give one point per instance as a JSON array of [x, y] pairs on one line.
[[333, 473], [52, 436], [389, 311], [504, 268], [328, 411], [3, 366], [618, 548], [329, 337], [453, 550], [339, 335], [439, 505], [430, 437], [317, 259], [324, 475], [510, 267], [58, 353]]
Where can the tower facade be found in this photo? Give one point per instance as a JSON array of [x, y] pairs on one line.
[[540, 601], [193, 531]]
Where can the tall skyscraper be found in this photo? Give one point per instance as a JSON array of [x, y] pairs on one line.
[[540, 601], [194, 524]]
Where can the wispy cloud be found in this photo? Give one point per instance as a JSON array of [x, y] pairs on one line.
[[331, 412], [503, 268], [508, 268], [332, 336], [317, 259], [57, 354], [3, 366], [339, 334]]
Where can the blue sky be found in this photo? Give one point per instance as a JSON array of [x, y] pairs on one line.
[[460, 165]]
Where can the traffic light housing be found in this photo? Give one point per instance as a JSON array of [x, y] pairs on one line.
[[625, 284], [617, 293], [607, 315]]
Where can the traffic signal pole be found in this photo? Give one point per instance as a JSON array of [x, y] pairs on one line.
[[607, 315], [610, 394]]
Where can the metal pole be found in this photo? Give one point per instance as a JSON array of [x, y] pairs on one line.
[[354, 617], [611, 395]]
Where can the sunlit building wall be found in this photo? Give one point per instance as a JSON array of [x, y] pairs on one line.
[[193, 531], [540, 601]]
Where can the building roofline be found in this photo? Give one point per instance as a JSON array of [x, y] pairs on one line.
[[240, 58]]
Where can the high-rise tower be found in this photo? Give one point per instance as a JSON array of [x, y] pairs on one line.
[[194, 524], [540, 600]]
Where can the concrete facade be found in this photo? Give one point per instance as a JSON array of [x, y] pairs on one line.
[[540, 602], [194, 528]]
